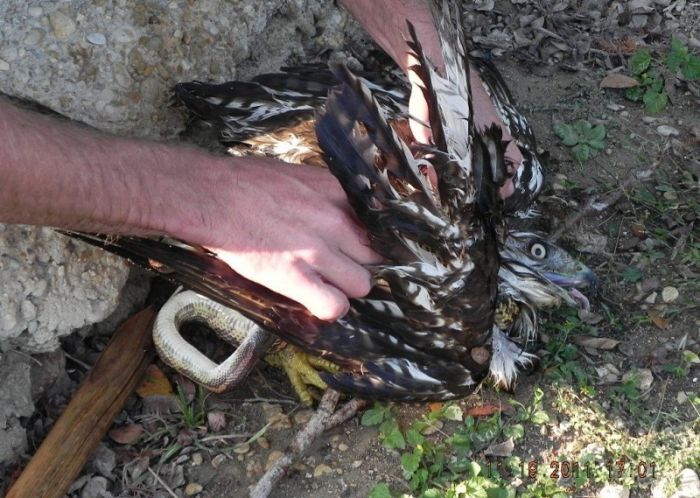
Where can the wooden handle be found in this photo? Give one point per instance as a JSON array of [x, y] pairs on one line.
[[90, 413]]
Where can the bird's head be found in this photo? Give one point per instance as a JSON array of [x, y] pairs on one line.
[[556, 265]]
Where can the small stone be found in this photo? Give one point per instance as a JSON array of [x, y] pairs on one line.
[[608, 373], [216, 420], [615, 107], [689, 486], [681, 397], [275, 417], [62, 25], [272, 458], [356, 464], [302, 417], [263, 442], [218, 460], [34, 37], [96, 38], [35, 11], [343, 447], [651, 298], [97, 486], [4, 65], [642, 376], [197, 459], [650, 284], [103, 460], [667, 131], [648, 119], [669, 294], [322, 470], [241, 448], [193, 488], [613, 491], [624, 114]]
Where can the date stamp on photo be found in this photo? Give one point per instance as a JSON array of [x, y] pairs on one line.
[[568, 469]]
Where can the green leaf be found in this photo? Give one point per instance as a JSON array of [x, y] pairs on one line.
[[596, 146], [655, 102], [634, 94], [581, 152], [657, 85], [539, 417], [674, 61], [499, 493], [582, 128], [690, 357], [640, 61], [453, 412], [691, 68], [410, 462], [373, 416], [566, 133], [381, 490], [631, 274], [515, 431], [414, 438], [678, 47], [596, 134], [394, 440], [461, 441]]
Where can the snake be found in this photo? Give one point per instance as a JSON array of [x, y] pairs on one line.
[[249, 339]]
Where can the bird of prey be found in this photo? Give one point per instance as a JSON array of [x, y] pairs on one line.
[[429, 327]]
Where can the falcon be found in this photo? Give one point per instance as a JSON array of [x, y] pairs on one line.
[[436, 321]]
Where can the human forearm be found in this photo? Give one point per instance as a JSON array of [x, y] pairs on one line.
[[63, 175], [385, 21], [288, 228]]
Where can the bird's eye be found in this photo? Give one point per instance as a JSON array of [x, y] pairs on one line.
[[538, 251]]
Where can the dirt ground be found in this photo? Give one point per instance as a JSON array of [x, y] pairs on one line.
[[643, 245]]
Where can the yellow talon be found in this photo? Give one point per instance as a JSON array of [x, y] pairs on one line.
[[301, 367]]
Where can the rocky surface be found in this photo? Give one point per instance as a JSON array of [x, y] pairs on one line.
[[110, 64]]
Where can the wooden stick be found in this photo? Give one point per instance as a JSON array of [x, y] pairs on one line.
[[299, 445], [323, 419], [90, 413]]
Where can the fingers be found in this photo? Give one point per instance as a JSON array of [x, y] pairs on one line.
[[321, 299], [419, 116]]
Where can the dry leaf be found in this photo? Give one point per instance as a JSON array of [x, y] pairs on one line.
[[216, 420], [589, 317], [595, 342], [159, 404], [658, 320], [504, 449], [435, 406], [483, 410], [617, 80], [127, 434], [154, 383]]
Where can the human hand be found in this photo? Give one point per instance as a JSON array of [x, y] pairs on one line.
[[290, 229]]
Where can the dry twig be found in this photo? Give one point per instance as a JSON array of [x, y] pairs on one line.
[[324, 418]]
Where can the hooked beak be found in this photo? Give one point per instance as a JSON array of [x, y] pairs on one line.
[[582, 279]]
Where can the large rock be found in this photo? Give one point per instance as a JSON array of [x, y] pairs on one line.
[[52, 286]]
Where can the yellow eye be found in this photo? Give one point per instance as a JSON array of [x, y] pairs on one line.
[[538, 251]]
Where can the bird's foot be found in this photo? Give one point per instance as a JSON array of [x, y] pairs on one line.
[[302, 370]]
